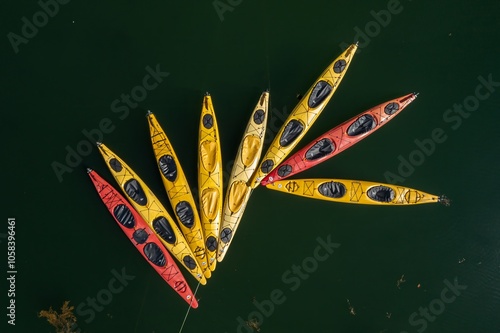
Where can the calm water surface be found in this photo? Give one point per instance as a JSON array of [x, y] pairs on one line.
[[74, 72]]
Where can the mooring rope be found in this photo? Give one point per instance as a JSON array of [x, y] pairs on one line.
[[189, 308]]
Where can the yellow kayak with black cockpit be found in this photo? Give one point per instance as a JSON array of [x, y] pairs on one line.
[[356, 191], [210, 185], [152, 211], [246, 161], [304, 114], [178, 191]]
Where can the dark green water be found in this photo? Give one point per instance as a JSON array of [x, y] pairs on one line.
[[64, 79]]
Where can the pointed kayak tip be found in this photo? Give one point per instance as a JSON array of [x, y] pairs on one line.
[[89, 170], [357, 43], [201, 279], [149, 113], [98, 143], [193, 303], [416, 94], [443, 199], [207, 93]]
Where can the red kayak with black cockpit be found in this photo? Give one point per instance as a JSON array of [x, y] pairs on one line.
[[142, 237], [339, 138]]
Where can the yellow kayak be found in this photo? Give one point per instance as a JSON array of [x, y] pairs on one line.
[[210, 179], [178, 192], [246, 161], [152, 211], [304, 114], [356, 191]]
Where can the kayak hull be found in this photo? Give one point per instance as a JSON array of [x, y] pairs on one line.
[[354, 191], [178, 191], [247, 159], [304, 114], [143, 238], [339, 138], [152, 211], [210, 185]]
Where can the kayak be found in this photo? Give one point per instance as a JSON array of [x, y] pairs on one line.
[[152, 211], [356, 191], [210, 179], [246, 161], [145, 241], [178, 192], [339, 138], [304, 114]]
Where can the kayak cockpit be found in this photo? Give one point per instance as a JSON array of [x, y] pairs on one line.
[[124, 216], [332, 189], [319, 93], [362, 125], [163, 228], [391, 108], [185, 213], [292, 130], [320, 149], [381, 193], [168, 167], [135, 192], [155, 254]]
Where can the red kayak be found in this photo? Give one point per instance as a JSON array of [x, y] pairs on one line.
[[141, 236], [339, 138]]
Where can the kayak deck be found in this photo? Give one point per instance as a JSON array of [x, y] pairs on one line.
[[142, 237], [152, 211], [339, 138], [247, 158], [304, 114], [178, 191], [355, 191], [210, 182]]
